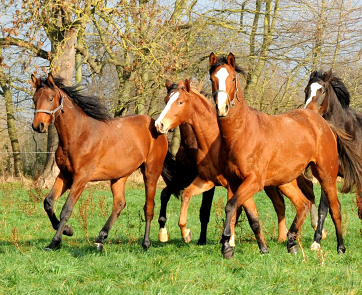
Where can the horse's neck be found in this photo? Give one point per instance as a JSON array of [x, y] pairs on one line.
[[70, 123], [237, 120], [204, 124], [335, 114]]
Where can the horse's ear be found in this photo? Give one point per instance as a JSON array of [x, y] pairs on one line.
[[327, 75], [212, 59], [313, 74], [50, 80], [187, 85], [231, 60], [35, 80], [181, 84], [168, 85]]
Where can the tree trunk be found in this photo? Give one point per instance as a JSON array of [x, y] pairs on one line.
[[10, 120]]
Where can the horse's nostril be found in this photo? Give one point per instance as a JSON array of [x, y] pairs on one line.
[[226, 108], [41, 126]]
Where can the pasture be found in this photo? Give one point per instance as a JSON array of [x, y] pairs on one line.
[[123, 267]]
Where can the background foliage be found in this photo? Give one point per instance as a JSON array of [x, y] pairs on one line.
[[124, 50]]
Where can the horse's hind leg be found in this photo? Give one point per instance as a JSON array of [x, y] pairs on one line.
[[322, 214], [302, 205], [328, 184], [278, 202], [119, 202], [205, 209], [163, 235], [306, 186], [61, 184]]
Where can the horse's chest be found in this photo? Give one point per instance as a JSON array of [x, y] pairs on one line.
[[64, 163]]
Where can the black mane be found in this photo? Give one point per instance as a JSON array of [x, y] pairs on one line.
[[222, 60], [338, 86], [91, 105]]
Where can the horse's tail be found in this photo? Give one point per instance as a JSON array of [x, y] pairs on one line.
[[350, 162], [169, 174]]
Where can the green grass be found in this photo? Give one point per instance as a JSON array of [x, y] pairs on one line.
[[171, 268]]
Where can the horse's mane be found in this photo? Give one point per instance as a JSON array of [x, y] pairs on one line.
[[339, 88], [199, 93], [222, 60], [91, 105]]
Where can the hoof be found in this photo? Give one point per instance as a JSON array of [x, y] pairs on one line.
[[163, 235], [264, 250], [315, 246], [293, 250], [227, 252], [68, 231], [188, 236], [324, 234], [146, 245], [201, 242], [47, 249], [341, 249], [99, 246]]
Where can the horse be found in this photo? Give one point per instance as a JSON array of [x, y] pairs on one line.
[[184, 171], [94, 147], [327, 95], [265, 150], [186, 105]]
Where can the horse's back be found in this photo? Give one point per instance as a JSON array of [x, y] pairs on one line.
[[127, 143]]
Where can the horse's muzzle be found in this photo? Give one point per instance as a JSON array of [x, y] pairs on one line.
[[41, 128]]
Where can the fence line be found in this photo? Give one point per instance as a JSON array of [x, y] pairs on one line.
[[27, 152]]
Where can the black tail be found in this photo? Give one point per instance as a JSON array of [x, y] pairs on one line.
[[170, 173], [350, 161]]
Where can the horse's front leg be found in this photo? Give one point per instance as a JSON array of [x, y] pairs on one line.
[[163, 235], [249, 187], [76, 190], [302, 205], [198, 186], [61, 184], [119, 202]]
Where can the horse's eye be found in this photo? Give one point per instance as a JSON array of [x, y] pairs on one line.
[[51, 98], [323, 91], [234, 79], [180, 102]]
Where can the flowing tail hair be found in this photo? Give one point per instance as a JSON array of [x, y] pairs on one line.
[[350, 161], [170, 174]]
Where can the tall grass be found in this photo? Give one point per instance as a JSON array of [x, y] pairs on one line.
[[172, 268]]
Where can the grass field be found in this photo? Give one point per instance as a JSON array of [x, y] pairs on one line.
[[172, 268]]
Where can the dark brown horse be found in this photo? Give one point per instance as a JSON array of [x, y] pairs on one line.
[[94, 147], [263, 150], [185, 105], [327, 95]]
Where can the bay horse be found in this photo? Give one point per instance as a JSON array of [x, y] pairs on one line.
[[265, 150], [184, 171], [327, 95], [94, 147], [186, 107]]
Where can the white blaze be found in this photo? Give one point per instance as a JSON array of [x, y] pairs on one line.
[[173, 98], [222, 74], [313, 92]]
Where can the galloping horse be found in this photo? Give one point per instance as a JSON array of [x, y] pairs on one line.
[[185, 105], [94, 147], [327, 95], [265, 150]]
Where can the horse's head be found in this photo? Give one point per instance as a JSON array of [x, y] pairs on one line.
[[224, 82], [48, 103], [176, 111], [317, 92]]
